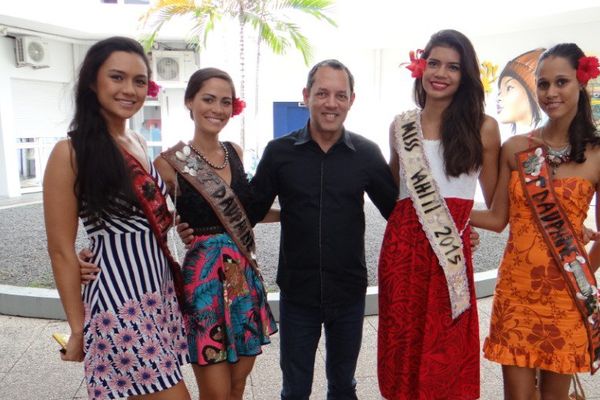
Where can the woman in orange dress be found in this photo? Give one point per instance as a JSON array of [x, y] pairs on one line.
[[535, 321]]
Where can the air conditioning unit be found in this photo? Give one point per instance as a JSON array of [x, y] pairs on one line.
[[31, 51], [173, 67]]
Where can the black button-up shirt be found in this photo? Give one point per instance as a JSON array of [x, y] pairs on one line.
[[322, 247]]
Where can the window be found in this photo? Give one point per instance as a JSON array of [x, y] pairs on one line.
[[148, 123], [32, 156]]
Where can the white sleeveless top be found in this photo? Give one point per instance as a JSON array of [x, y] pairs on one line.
[[461, 187]]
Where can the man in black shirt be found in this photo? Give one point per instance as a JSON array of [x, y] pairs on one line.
[[320, 174]]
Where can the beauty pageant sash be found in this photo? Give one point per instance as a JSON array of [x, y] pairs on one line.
[[559, 235], [222, 199], [154, 205], [431, 208]]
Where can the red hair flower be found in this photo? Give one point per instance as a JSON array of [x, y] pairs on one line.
[[153, 88], [587, 69], [417, 64], [238, 106]]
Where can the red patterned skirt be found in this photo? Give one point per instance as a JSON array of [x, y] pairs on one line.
[[422, 353]]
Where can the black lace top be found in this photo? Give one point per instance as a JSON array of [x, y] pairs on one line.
[[194, 210]]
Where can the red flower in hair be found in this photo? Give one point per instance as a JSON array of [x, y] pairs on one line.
[[587, 69], [153, 89], [417, 64], [238, 106]]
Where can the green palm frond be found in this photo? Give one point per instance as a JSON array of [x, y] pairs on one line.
[[203, 16], [272, 20], [204, 24], [276, 42], [302, 43], [268, 17], [315, 8], [163, 10]]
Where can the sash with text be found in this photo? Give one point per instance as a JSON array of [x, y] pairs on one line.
[[218, 194], [431, 209]]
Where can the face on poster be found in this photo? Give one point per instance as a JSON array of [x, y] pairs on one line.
[[517, 109]]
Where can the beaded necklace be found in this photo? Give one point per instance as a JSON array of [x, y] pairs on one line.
[[225, 162]]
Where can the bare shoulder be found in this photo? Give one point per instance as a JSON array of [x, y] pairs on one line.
[[489, 124], [62, 147], [517, 142], [238, 150], [62, 153], [593, 153], [514, 145], [61, 166], [490, 133]]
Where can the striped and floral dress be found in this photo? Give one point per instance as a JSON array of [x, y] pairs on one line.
[[133, 335]]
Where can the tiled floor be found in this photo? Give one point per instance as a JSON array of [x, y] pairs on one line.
[[31, 369]]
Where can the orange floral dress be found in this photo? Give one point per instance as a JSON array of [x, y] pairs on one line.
[[535, 322]]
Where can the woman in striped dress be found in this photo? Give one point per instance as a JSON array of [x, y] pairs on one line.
[[127, 327]]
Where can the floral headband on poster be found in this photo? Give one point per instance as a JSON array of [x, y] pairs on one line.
[[238, 106], [417, 64], [587, 68]]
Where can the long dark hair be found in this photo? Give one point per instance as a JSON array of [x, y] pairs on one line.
[[462, 119], [202, 75], [582, 129], [100, 165]]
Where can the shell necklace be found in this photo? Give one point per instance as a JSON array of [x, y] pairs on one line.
[[555, 158], [225, 161]]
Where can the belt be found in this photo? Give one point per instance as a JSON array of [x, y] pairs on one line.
[[209, 230]]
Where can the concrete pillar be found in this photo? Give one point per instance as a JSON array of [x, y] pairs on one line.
[[9, 173]]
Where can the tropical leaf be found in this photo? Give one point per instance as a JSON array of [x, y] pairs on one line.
[[164, 10], [272, 20], [311, 7]]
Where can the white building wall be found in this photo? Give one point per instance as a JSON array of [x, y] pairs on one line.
[[34, 103], [383, 88]]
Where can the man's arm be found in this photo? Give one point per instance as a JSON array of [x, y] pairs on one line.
[[382, 189], [264, 187]]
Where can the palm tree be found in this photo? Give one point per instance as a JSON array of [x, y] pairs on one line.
[[267, 17]]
